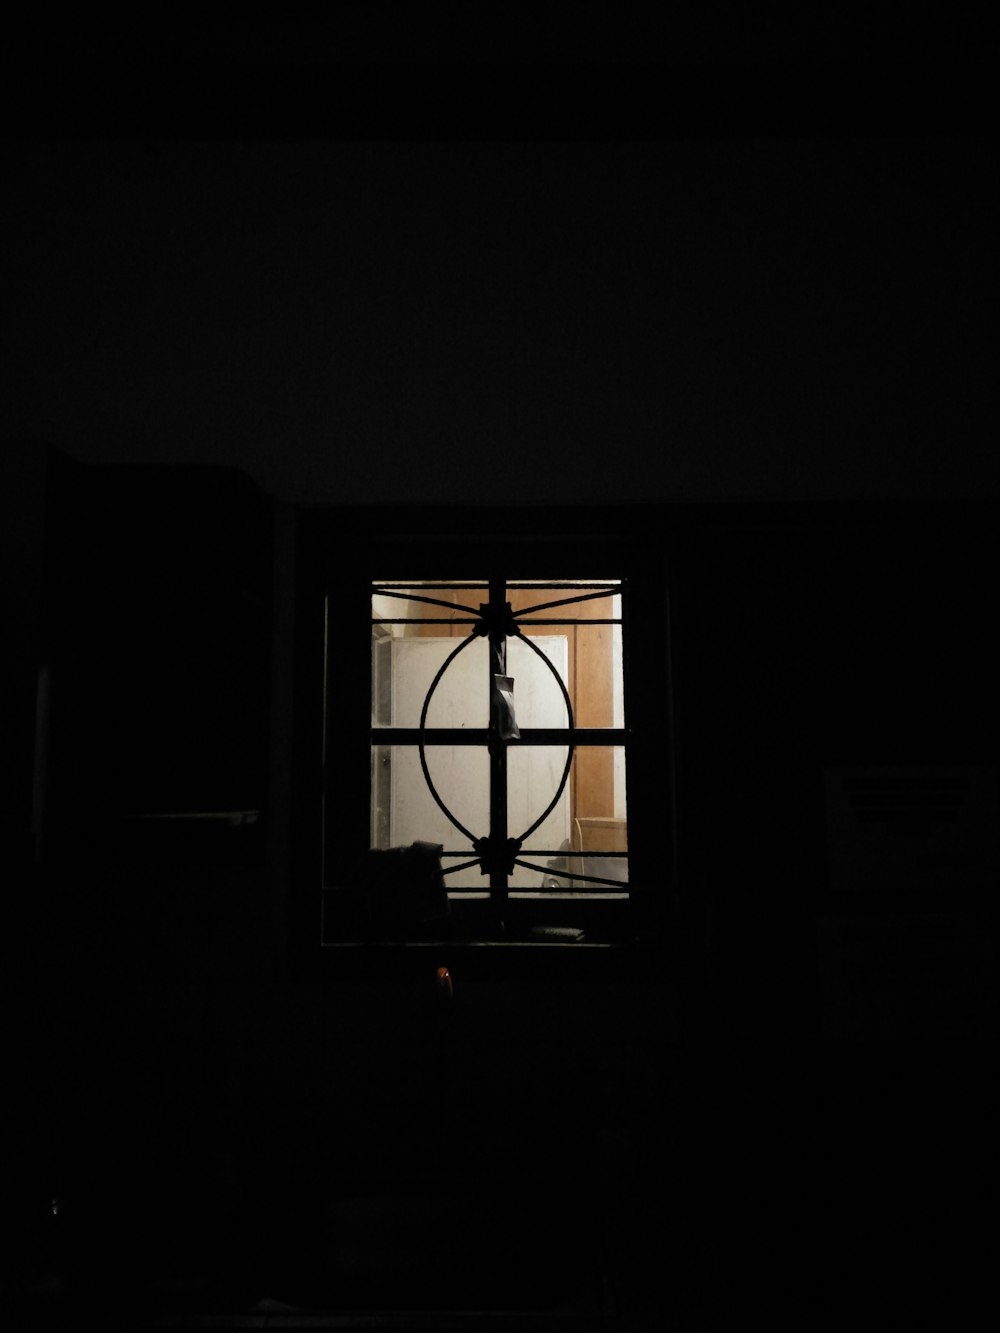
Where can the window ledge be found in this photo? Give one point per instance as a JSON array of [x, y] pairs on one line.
[[488, 960]]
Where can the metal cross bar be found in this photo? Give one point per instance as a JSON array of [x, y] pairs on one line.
[[479, 736]]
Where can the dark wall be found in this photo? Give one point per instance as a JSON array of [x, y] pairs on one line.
[[23, 492], [842, 1120], [153, 1010], [679, 318]]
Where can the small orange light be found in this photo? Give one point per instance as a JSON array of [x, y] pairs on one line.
[[444, 981]]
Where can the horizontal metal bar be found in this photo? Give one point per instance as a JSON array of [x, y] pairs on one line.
[[481, 736], [569, 895], [388, 948], [555, 584], [541, 895], [431, 736], [475, 620], [532, 851], [578, 736]]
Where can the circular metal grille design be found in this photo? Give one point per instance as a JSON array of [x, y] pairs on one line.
[[488, 855], [570, 748]]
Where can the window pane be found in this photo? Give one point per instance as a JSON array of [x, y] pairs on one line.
[[588, 820], [396, 601], [403, 670], [403, 809], [533, 773], [589, 662], [592, 604], [592, 672], [538, 700]]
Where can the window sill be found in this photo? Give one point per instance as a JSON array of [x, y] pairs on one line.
[[489, 960]]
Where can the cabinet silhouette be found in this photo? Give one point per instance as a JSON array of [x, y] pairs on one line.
[[158, 622]]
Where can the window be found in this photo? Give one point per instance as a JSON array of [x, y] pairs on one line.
[[514, 725], [498, 734]]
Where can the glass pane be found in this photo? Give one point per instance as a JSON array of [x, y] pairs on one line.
[[588, 659], [592, 604], [533, 774], [403, 670], [588, 822], [403, 809], [441, 603], [612, 868]]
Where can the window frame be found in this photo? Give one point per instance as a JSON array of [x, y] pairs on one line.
[[344, 549]]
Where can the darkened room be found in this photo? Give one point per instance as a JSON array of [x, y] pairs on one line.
[[406, 928]]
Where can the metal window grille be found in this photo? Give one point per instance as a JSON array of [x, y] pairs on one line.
[[497, 850]]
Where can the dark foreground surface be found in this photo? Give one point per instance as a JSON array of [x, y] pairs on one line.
[[858, 1190]]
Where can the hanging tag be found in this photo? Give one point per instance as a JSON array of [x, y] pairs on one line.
[[506, 721]]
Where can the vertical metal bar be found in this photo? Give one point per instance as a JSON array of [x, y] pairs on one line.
[[498, 755], [324, 787]]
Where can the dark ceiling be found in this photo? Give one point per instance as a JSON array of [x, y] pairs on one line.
[[484, 71]]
